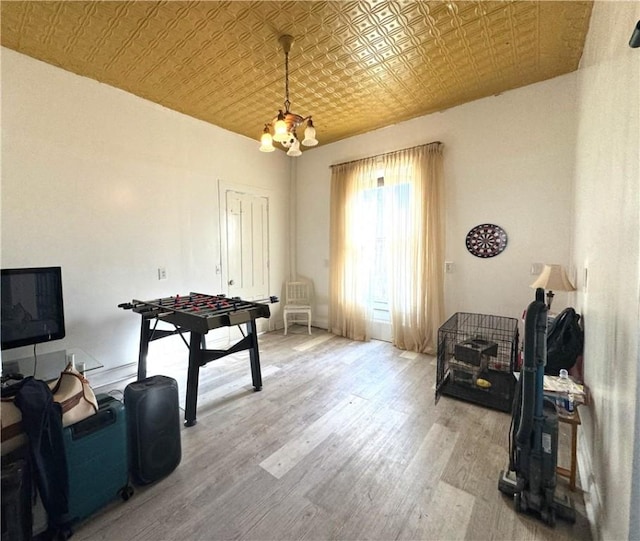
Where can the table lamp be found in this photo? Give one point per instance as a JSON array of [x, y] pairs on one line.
[[553, 277]]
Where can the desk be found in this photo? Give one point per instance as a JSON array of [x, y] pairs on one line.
[[49, 365], [572, 419]]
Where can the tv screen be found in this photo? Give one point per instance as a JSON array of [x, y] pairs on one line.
[[32, 310]]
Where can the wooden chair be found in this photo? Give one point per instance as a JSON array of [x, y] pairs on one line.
[[297, 304]]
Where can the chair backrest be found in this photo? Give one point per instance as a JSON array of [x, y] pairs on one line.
[[298, 293]]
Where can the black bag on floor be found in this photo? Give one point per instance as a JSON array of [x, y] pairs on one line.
[[153, 420], [565, 340]]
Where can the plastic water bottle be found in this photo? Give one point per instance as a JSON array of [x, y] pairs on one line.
[[565, 387]]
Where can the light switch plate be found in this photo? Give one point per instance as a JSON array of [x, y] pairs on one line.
[[536, 268]]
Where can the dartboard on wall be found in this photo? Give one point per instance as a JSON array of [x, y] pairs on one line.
[[486, 240]]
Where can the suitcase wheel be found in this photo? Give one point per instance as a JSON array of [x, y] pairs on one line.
[[126, 492]]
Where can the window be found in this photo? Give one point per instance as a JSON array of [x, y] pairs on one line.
[[387, 248]]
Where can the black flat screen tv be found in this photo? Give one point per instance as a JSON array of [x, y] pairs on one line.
[[32, 308]]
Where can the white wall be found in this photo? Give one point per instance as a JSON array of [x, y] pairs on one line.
[[607, 226], [508, 160], [111, 187]]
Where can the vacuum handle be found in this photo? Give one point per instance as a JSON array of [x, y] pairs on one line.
[[535, 352]]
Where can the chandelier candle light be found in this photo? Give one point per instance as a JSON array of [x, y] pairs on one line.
[[284, 125]]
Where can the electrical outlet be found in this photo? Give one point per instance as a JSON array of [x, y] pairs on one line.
[[162, 273], [449, 267]]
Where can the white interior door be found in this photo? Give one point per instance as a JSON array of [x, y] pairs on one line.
[[246, 245]]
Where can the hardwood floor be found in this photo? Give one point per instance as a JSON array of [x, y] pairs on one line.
[[343, 442]]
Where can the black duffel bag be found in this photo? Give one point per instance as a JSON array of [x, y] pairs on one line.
[[565, 340]]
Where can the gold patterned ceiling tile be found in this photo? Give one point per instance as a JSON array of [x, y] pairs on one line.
[[354, 66]]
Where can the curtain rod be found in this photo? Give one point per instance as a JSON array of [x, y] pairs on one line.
[[386, 153]]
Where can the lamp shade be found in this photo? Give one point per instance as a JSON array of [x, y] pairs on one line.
[[294, 150], [280, 130], [310, 135], [553, 277], [266, 142]]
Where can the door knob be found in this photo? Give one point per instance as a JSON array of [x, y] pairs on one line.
[[230, 282]]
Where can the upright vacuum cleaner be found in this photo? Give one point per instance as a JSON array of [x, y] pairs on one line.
[[533, 448]]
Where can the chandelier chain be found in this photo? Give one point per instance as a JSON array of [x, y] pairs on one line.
[[287, 103]]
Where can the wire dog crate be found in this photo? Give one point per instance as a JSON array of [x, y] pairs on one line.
[[477, 355]]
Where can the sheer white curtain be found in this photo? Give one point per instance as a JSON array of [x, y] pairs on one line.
[[414, 247], [352, 250]]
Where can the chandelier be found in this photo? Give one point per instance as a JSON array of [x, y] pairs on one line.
[[285, 124]]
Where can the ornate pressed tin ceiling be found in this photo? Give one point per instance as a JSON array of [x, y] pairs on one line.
[[356, 66]]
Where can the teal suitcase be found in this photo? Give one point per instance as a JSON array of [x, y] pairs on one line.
[[97, 460]]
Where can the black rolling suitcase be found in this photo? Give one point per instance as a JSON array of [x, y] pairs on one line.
[[96, 450]]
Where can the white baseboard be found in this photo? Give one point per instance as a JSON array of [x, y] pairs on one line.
[[315, 323], [321, 324], [591, 493], [103, 379]]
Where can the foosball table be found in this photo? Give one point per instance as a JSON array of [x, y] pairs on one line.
[[197, 314]]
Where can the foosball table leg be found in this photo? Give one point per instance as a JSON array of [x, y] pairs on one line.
[[254, 355], [145, 329], [193, 374]]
